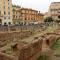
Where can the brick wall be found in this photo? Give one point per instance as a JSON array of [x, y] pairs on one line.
[[30, 50], [26, 51], [11, 36], [6, 57]]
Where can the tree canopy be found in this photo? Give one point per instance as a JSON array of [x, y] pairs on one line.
[[48, 19]]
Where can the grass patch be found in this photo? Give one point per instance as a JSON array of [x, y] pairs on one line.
[[56, 48], [43, 57], [7, 49], [56, 45], [57, 55]]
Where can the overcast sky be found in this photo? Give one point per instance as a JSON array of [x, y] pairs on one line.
[[41, 5]]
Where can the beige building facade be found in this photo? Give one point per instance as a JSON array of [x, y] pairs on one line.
[[6, 12], [54, 10], [26, 15], [16, 10]]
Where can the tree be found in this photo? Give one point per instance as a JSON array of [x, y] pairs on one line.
[[48, 19], [57, 21]]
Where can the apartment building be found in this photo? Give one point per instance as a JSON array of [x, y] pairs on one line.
[[40, 17], [16, 14], [6, 12], [26, 15], [54, 10], [29, 15]]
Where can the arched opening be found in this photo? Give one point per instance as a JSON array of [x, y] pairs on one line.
[[47, 42], [9, 23], [14, 47], [59, 16], [5, 24]]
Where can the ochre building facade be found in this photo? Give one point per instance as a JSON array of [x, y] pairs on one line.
[[26, 15]]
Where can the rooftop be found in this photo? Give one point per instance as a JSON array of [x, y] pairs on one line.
[[55, 2]]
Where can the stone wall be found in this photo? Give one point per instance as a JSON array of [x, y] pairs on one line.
[[30, 50], [34, 49], [52, 37], [12, 36], [27, 51], [6, 57]]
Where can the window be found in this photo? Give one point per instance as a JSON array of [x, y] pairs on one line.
[[13, 16], [5, 23], [9, 23], [9, 8], [8, 17], [0, 21], [4, 13], [4, 7], [8, 0], [25, 19], [16, 12], [59, 17], [4, 17], [16, 16], [8, 13], [0, 12]]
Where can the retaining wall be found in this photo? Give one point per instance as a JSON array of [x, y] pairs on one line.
[[6, 37], [6, 57], [31, 51]]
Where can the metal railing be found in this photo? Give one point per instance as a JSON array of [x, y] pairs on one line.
[[20, 28]]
